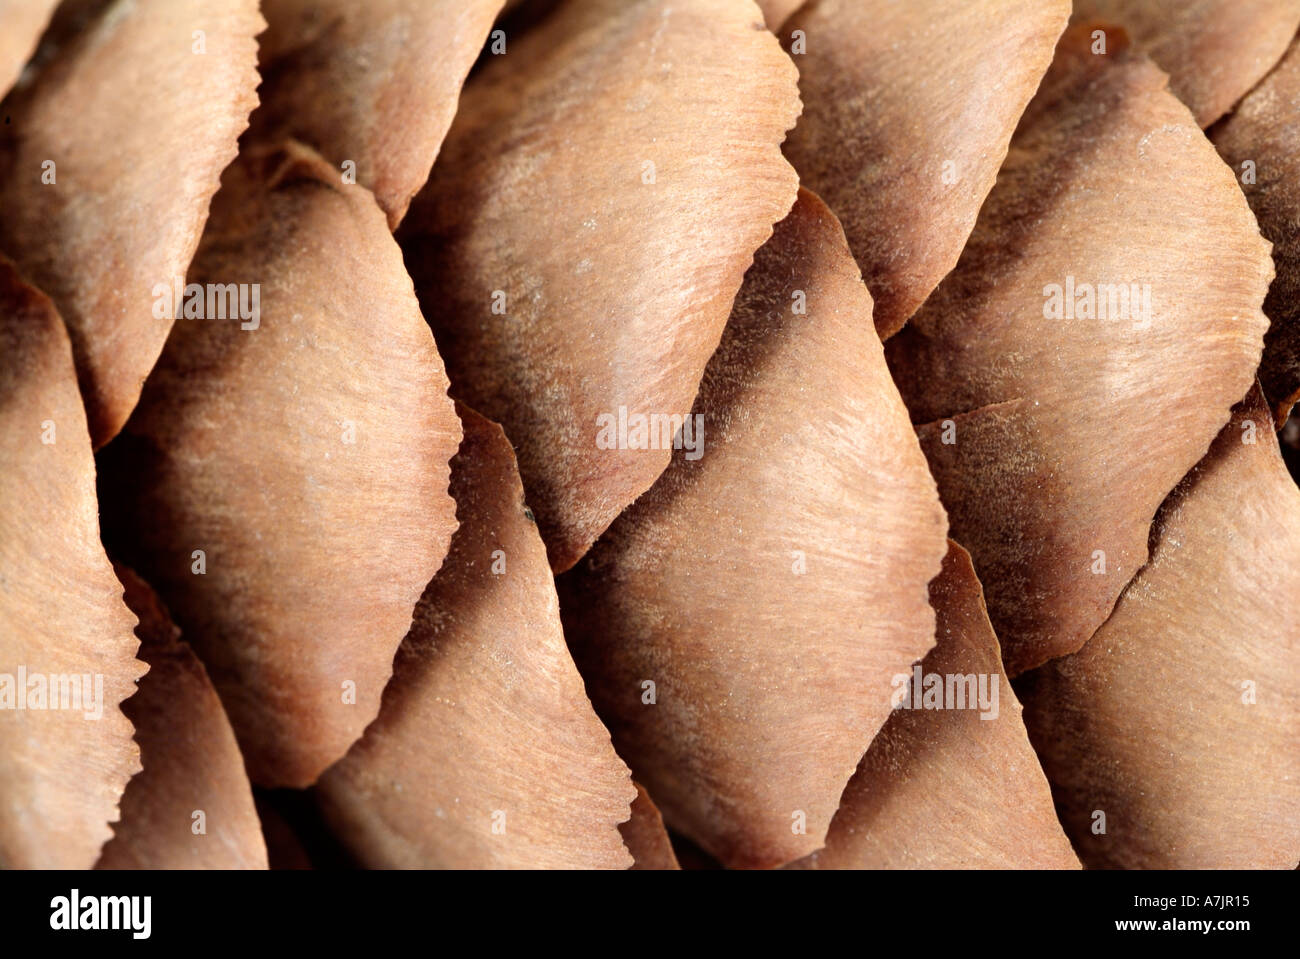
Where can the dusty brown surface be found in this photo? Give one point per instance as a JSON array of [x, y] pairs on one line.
[[23, 20], [191, 761], [155, 124], [776, 12], [1213, 50], [375, 83], [616, 289], [894, 93], [947, 788], [1265, 130], [486, 723], [645, 836], [317, 548], [1149, 723], [1068, 432], [770, 683], [61, 611]]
